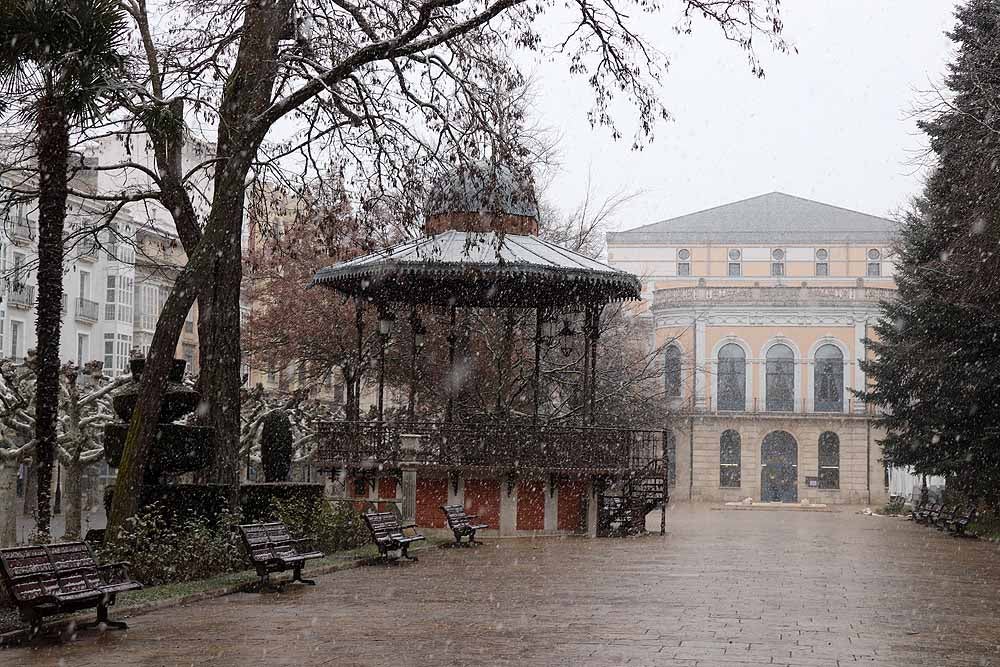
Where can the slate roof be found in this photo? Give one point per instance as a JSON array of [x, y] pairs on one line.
[[767, 218], [480, 268]]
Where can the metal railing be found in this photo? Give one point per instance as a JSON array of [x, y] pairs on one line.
[[787, 295], [21, 296], [508, 446], [757, 406], [87, 310]]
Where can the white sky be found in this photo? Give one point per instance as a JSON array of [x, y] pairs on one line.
[[830, 123]]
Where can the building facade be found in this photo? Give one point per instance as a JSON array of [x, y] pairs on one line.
[[761, 308]]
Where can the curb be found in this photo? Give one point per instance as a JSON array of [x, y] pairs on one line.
[[16, 637]]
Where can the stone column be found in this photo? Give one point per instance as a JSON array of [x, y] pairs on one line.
[[508, 508], [591, 510], [551, 507]]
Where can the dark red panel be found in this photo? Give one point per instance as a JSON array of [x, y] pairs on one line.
[[531, 505], [482, 497]]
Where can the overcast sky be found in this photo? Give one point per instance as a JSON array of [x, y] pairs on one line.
[[832, 122]]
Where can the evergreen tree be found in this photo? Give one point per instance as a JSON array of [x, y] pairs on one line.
[[276, 443], [937, 370]]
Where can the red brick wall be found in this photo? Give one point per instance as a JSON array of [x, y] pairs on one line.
[[572, 495], [531, 505], [386, 489], [482, 497], [431, 495]]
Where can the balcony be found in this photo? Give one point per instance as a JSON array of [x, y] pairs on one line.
[[20, 230], [65, 298], [87, 310], [21, 297], [756, 407], [497, 446], [88, 250], [780, 295]]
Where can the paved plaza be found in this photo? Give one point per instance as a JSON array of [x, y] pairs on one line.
[[725, 587]]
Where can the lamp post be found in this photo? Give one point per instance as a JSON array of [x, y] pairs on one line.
[[385, 321], [417, 333]]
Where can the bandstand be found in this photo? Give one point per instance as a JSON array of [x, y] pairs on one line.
[[534, 473]]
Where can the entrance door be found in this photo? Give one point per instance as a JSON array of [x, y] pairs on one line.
[[779, 468]]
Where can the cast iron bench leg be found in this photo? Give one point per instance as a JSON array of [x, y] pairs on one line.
[[102, 619], [405, 554], [297, 576]]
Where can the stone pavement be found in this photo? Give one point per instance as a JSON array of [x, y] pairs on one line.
[[723, 588]]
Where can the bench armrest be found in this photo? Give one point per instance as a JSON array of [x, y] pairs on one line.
[[114, 573]]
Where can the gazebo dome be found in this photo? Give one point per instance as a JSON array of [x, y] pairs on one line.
[[478, 197]]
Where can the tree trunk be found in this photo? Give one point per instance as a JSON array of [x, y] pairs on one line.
[[30, 496], [53, 153], [8, 501], [73, 497]]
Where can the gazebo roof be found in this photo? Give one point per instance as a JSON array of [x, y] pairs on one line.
[[480, 269]]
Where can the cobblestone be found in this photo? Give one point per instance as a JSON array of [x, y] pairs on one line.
[[723, 588]]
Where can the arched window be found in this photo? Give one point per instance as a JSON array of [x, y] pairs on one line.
[[671, 445], [780, 378], [729, 459], [672, 371], [829, 460], [732, 388], [829, 379]]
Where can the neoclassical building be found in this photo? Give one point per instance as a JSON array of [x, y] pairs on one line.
[[761, 307]]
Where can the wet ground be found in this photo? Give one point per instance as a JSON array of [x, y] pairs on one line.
[[723, 588]]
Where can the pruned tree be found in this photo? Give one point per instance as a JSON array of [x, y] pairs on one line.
[[17, 426]]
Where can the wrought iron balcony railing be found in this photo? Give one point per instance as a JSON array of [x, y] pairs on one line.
[[507, 446], [87, 310], [21, 296]]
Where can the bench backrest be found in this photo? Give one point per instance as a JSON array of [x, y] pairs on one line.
[[75, 566], [265, 541], [28, 573], [383, 525], [456, 515]]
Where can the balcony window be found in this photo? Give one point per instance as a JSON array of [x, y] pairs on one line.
[[777, 262], [780, 378], [822, 262], [684, 262], [874, 263], [672, 371], [732, 389], [829, 379], [735, 263]]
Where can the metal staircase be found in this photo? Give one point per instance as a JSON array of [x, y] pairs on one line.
[[624, 513]]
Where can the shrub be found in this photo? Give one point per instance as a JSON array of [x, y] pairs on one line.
[[276, 442], [334, 526], [179, 501], [162, 550], [257, 501]]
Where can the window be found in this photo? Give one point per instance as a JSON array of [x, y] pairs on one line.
[[735, 267], [780, 379], [684, 262], [822, 262], [118, 295], [84, 285], [672, 372], [339, 393], [874, 263], [189, 357], [16, 340], [82, 349], [829, 379], [116, 353], [271, 376], [671, 445], [732, 375], [20, 276], [729, 459], [777, 262], [829, 460]]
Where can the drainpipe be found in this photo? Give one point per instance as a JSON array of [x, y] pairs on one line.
[[691, 459], [868, 429]]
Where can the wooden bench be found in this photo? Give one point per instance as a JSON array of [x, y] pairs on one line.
[[930, 513], [390, 535], [461, 523], [271, 548], [958, 523], [946, 515], [60, 578], [918, 508]]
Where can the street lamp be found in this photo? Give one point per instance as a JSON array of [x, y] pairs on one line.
[[386, 320], [566, 339]]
